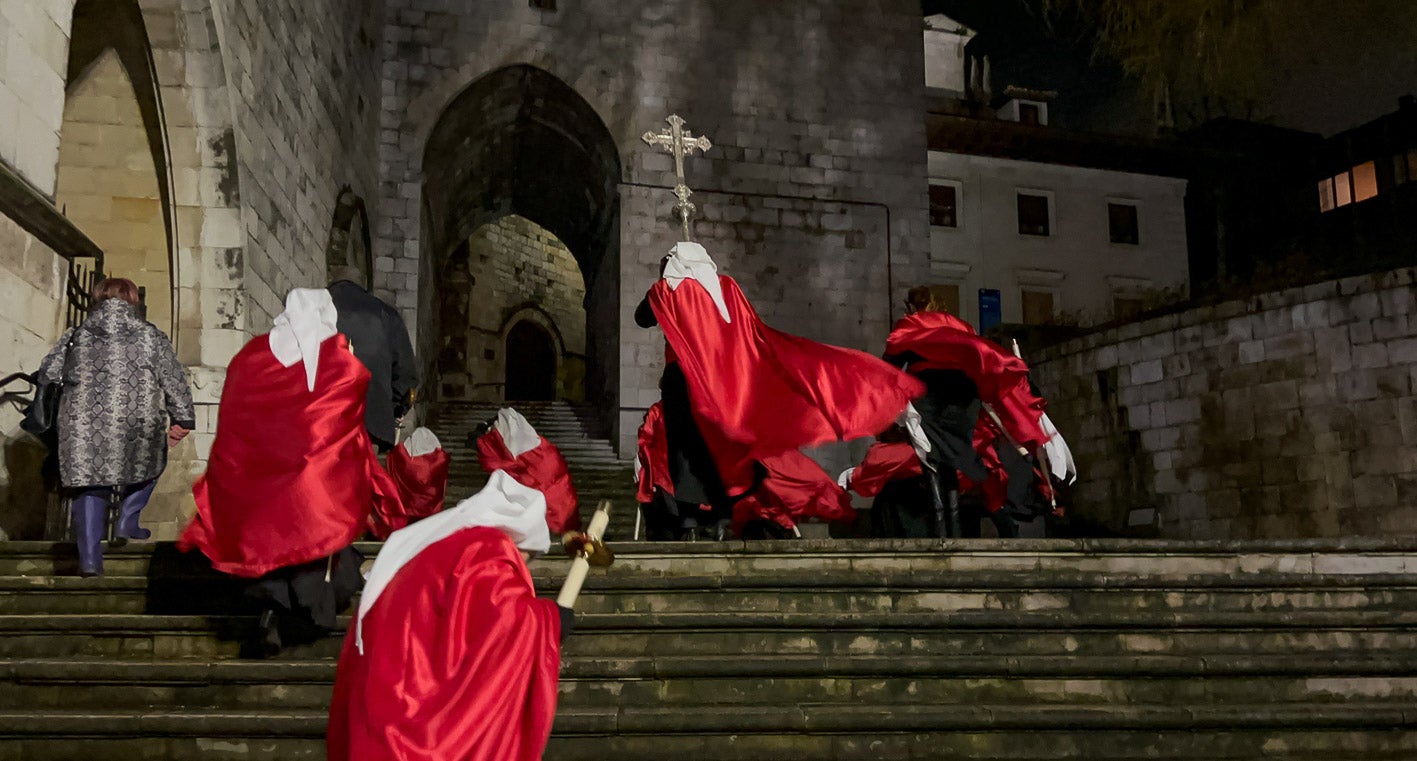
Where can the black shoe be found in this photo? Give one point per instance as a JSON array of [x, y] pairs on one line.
[[690, 535], [722, 533], [268, 642]]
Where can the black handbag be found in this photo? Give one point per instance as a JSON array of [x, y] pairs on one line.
[[42, 416]]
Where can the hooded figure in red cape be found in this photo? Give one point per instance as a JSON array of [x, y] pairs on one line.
[[511, 444], [978, 412], [793, 488], [292, 476], [654, 488], [419, 467], [736, 391], [452, 656]]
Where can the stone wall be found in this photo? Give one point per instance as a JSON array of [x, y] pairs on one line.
[[34, 49], [31, 319], [517, 264], [813, 108], [305, 82], [1287, 415]]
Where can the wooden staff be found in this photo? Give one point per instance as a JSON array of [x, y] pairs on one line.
[[586, 549]]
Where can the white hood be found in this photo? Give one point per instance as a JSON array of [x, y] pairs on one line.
[[689, 261], [308, 320]]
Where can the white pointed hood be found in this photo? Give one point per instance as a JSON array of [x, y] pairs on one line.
[[516, 432], [689, 261], [515, 510], [309, 318], [421, 442]]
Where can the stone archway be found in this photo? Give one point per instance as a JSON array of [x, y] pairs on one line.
[[519, 141], [349, 237], [113, 173]]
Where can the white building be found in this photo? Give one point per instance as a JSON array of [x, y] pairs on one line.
[[1035, 224]]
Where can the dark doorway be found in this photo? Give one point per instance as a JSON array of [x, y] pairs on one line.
[[531, 364]]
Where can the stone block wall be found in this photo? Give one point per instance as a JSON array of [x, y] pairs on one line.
[[305, 82], [34, 50], [32, 280], [813, 106], [1292, 414]]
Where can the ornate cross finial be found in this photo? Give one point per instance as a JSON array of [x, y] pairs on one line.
[[679, 143]]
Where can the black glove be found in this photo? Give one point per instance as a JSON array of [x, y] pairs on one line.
[[568, 621]]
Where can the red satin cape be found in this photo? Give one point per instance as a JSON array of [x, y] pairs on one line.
[[422, 484], [885, 462], [654, 456], [945, 343], [794, 489], [292, 477], [758, 392], [460, 661], [541, 468]]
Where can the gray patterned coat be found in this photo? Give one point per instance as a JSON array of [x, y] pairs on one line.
[[123, 386]]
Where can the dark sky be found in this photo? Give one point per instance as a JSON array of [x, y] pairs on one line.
[[1323, 66]]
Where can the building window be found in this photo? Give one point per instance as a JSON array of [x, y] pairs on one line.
[[1342, 189], [1122, 223], [1124, 308], [1326, 195], [944, 205], [1029, 113], [545, 5], [1412, 165], [1037, 307], [1365, 181], [946, 295], [1033, 214]]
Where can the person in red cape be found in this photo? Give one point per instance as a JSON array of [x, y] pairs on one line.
[[654, 489], [891, 473], [511, 444], [793, 488], [452, 656], [978, 410], [736, 391], [419, 468], [292, 476]]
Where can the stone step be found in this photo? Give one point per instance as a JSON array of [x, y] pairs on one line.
[[998, 745], [784, 595], [678, 730], [752, 680], [730, 635], [1036, 558]]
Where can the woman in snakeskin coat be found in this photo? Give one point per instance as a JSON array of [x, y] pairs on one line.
[[125, 401]]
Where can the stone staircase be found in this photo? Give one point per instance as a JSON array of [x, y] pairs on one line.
[[790, 651], [597, 472]]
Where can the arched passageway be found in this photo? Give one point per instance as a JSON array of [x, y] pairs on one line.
[[113, 178], [517, 166]]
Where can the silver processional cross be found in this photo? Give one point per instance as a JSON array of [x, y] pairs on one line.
[[679, 143]]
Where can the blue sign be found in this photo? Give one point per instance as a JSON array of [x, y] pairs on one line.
[[991, 308]]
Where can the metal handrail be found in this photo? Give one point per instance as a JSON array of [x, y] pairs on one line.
[[12, 377]]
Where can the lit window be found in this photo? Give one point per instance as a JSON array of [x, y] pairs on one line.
[[1342, 190], [1365, 181], [1122, 223], [944, 206], [1326, 195], [1032, 214], [1037, 307]]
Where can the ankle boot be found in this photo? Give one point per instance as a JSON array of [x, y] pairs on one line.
[[128, 511], [90, 518]]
